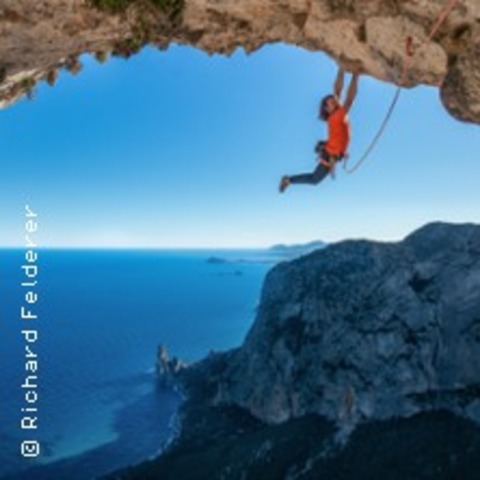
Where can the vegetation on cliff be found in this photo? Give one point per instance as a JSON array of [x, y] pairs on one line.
[[171, 7]]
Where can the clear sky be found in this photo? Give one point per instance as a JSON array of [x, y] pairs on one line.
[[179, 149]]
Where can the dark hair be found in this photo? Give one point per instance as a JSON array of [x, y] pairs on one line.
[[323, 113]]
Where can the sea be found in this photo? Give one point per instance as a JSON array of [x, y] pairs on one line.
[[100, 316]]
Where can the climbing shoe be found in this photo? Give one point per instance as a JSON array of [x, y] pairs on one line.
[[284, 183]]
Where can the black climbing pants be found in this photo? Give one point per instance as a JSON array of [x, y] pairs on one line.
[[313, 178], [321, 171]]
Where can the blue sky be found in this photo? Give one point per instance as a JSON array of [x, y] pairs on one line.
[[180, 149]]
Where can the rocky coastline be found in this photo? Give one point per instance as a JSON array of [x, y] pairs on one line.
[[363, 363]]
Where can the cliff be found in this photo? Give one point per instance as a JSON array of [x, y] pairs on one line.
[[40, 38], [363, 363], [363, 330]]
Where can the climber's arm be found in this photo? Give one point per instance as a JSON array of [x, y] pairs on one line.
[[352, 92], [338, 86]]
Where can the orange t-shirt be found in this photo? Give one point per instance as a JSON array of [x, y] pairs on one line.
[[338, 132]]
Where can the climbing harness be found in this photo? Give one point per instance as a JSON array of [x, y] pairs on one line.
[[409, 54]]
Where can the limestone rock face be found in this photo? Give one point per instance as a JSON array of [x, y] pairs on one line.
[[40, 37], [363, 330]]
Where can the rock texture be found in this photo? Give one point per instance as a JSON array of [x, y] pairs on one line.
[[362, 331], [167, 369], [40, 37]]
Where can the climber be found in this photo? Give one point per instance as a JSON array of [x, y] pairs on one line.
[[334, 149]]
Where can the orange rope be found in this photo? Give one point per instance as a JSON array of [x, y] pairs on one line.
[[409, 53]]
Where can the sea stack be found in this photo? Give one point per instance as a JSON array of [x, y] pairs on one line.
[[167, 368]]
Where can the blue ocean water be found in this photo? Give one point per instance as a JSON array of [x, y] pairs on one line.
[[101, 315]]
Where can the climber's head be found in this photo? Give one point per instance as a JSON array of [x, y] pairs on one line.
[[328, 105]]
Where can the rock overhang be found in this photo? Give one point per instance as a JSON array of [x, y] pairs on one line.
[[369, 35]]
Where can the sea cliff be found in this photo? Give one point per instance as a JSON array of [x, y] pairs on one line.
[[363, 362]]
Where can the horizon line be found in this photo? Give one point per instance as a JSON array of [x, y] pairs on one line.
[[136, 247]]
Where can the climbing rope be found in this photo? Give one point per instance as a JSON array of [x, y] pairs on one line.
[[409, 54], [378, 135]]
